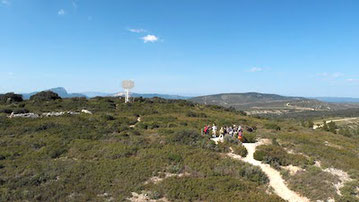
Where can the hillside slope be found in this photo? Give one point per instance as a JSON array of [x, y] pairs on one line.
[[259, 103], [59, 90], [154, 148]]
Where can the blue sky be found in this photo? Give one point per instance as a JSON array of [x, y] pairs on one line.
[[187, 47]]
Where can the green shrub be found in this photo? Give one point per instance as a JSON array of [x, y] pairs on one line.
[[174, 157], [10, 98], [276, 156], [240, 150], [108, 117], [250, 137], [21, 111], [314, 183], [231, 140], [259, 155], [216, 188], [6, 111], [45, 96], [194, 114], [175, 168], [187, 137], [272, 126]]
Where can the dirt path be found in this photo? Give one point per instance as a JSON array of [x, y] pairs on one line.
[[275, 179]]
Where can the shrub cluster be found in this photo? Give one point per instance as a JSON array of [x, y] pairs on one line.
[[276, 156], [240, 150], [195, 114], [10, 98], [45, 96], [272, 126]]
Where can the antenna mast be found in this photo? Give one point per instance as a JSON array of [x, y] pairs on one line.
[[127, 85]]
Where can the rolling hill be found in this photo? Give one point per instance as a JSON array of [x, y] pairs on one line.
[[338, 99], [152, 150], [260, 103], [62, 92], [59, 90]]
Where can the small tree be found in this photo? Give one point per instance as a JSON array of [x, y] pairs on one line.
[[310, 124], [45, 96], [332, 127], [325, 126], [10, 97]]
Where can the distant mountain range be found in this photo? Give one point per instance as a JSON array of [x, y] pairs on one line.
[[257, 102], [338, 99], [64, 94], [59, 90]]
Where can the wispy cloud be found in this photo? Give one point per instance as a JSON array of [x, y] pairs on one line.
[[5, 2], [256, 69], [353, 80], [149, 38], [74, 4], [330, 75], [61, 12], [136, 30]]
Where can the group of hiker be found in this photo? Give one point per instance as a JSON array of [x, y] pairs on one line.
[[233, 131]]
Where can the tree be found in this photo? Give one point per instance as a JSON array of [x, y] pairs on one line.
[[45, 96], [10, 97], [310, 124], [332, 127], [325, 126]]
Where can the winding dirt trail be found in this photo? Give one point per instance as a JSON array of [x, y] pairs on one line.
[[275, 179]]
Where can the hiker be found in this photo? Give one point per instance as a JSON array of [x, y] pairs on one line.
[[214, 130], [240, 136], [221, 132], [230, 131], [206, 129]]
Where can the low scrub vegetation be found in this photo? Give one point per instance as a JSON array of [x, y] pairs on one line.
[[45, 96], [276, 156], [109, 154], [314, 183], [240, 150], [82, 157], [272, 126]]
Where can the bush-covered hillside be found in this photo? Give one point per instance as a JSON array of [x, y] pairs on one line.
[[122, 148]]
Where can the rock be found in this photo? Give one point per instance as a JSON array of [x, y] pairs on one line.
[[25, 115], [86, 111]]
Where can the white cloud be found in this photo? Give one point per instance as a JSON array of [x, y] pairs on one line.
[[137, 30], [61, 12], [256, 69], [149, 38]]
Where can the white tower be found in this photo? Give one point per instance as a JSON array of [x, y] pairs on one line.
[[127, 85]]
